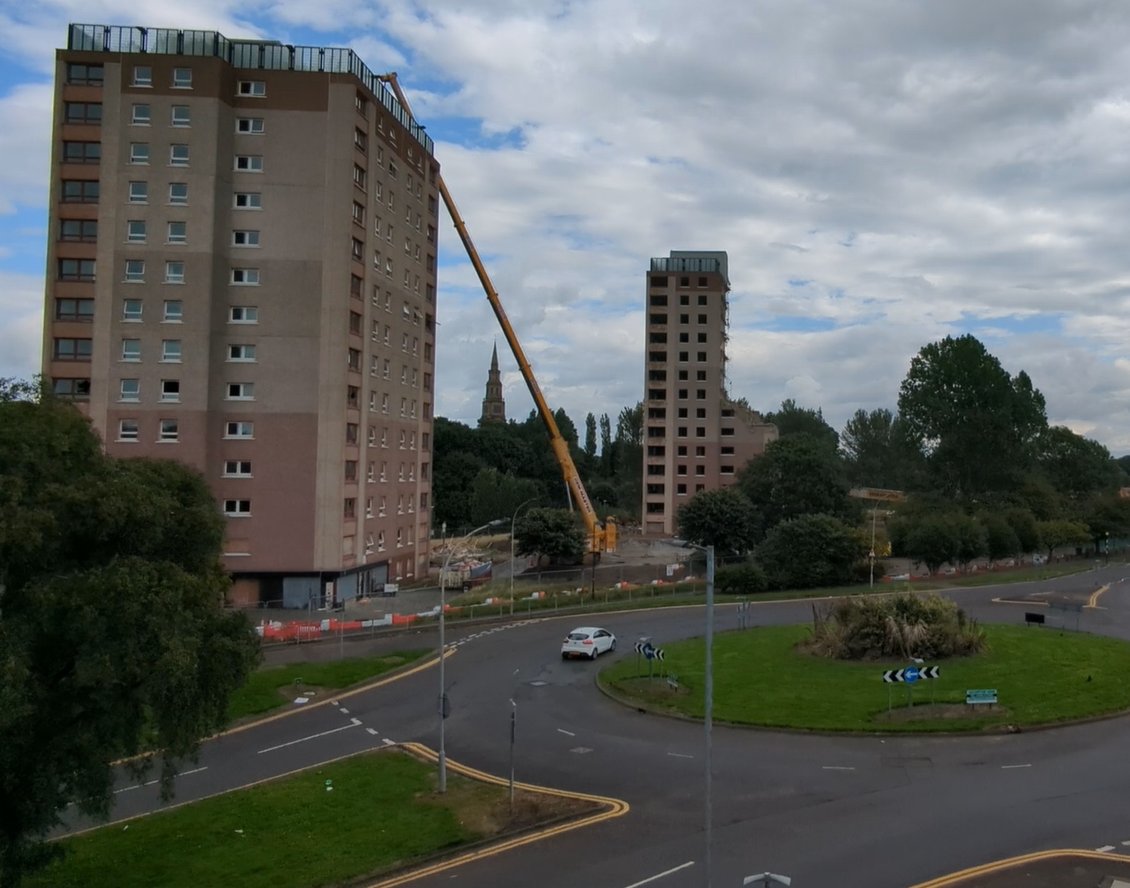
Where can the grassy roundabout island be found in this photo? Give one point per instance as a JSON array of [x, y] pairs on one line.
[[764, 677]]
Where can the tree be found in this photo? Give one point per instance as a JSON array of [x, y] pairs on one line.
[[113, 635], [1001, 540], [495, 495], [793, 420], [879, 451], [798, 475], [976, 424], [606, 445], [1107, 517], [932, 540], [1075, 465], [555, 534], [1023, 523], [1059, 533], [971, 541], [810, 551], [590, 437], [724, 519]]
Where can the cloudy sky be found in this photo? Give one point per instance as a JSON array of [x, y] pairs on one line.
[[882, 173]]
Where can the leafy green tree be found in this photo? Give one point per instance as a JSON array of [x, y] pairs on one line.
[[113, 636], [798, 475], [879, 452], [1001, 540], [452, 486], [1075, 465], [724, 519], [977, 424], [590, 437], [794, 420], [1023, 523], [1059, 533], [606, 455], [810, 551], [932, 540], [495, 495], [555, 534], [971, 540], [746, 578], [1108, 518]]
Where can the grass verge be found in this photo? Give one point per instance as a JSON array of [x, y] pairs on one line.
[[275, 686], [1042, 676], [362, 816]]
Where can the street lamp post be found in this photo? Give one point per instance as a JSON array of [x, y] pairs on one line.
[[443, 707], [871, 554], [513, 519], [708, 711]]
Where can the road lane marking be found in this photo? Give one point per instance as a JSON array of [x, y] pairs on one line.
[[839, 767], [371, 730], [1105, 848], [1007, 767], [680, 755], [151, 782], [353, 724], [661, 875], [343, 710], [567, 733]]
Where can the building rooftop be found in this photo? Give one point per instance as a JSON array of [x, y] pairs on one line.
[[267, 55]]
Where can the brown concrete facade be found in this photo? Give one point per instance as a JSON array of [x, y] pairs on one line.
[[695, 437], [241, 276]]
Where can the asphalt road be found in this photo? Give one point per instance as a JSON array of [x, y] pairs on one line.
[[881, 812]]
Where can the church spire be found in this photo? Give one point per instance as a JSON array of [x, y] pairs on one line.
[[494, 407]]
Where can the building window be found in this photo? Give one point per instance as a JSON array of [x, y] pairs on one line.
[[129, 390], [85, 75], [76, 388], [140, 115], [131, 349], [178, 155], [256, 88], [249, 163], [82, 152], [74, 309], [237, 468], [170, 390], [174, 272], [241, 353], [237, 508], [700, 356], [244, 238], [139, 152], [243, 314], [82, 112], [80, 191], [142, 76], [182, 78], [351, 433], [178, 232], [181, 116], [358, 213], [135, 270], [247, 277], [239, 429], [171, 351], [360, 177], [360, 139], [353, 359], [72, 350], [138, 192], [357, 249], [170, 430], [76, 269], [173, 311], [248, 200], [178, 193], [135, 231], [249, 125], [131, 310], [349, 509], [240, 391], [127, 430], [78, 230]]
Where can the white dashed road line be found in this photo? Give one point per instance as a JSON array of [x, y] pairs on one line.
[[661, 875], [354, 722], [1009, 767], [151, 782], [680, 755], [566, 733], [838, 768]]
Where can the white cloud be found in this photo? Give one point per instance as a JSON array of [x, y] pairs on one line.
[[882, 174], [21, 333]]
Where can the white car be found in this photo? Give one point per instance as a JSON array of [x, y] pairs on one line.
[[587, 641]]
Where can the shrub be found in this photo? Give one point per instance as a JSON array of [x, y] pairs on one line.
[[897, 626], [740, 579]]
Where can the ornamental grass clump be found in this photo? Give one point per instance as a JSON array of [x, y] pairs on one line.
[[897, 626]]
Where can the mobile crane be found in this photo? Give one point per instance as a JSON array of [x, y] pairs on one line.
[[601, 537]]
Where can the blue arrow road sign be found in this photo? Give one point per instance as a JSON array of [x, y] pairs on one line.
[[910, 674]]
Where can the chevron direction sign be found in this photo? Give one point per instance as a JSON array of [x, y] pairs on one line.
[[911, 674], [650, 651]]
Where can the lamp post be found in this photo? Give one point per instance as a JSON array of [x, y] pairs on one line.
[[708, 707], [514, 518], [871, 554], [443, 708]]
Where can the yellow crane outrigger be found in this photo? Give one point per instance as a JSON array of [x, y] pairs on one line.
[[602, 537]]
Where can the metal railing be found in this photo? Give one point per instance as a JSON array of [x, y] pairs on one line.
[[266, 55]]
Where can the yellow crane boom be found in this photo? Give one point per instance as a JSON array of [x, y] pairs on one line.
[[601, 537]]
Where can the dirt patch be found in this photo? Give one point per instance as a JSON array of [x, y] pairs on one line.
[[485, 811]]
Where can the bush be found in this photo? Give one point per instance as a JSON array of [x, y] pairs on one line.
[[740, 579], [898, 626]]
